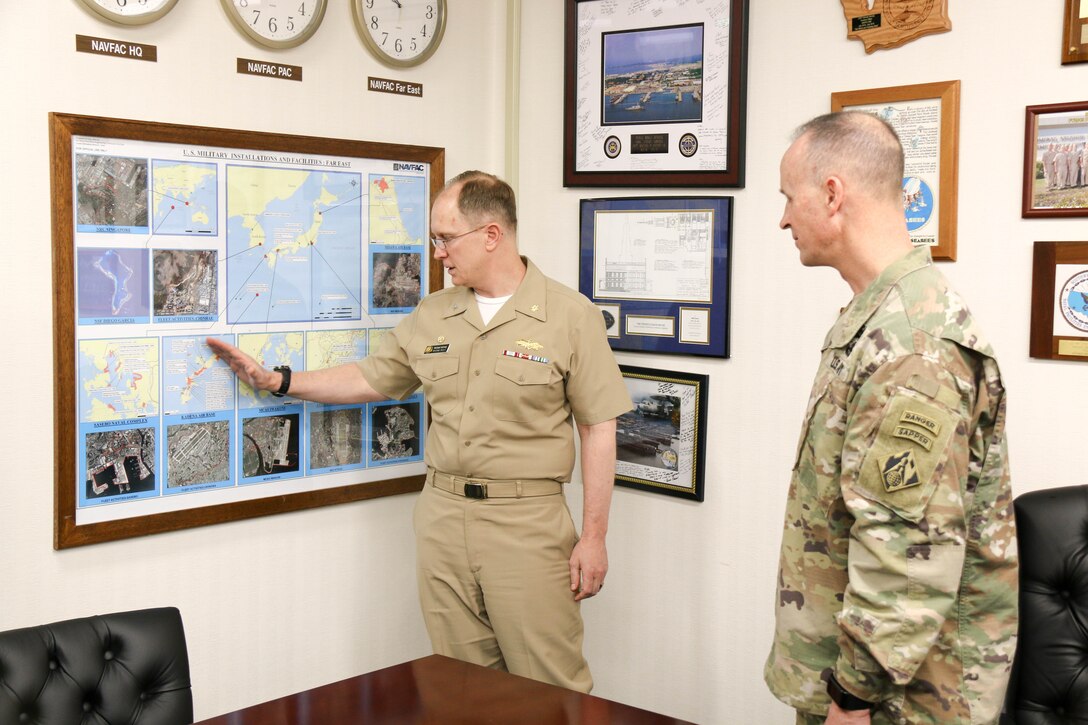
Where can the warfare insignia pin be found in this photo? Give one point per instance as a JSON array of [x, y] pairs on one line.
[[529, 345], [899, 471]]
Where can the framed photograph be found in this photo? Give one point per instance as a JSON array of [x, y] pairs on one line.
[[164, 235], [926, 117], [658, 267], [1056, 160], [1075, 32], [661, 444], [1059, 301], [654, 92]]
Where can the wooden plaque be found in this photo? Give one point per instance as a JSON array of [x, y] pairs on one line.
[[883, 24]]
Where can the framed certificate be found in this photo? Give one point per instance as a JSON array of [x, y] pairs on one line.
[[658, 267], [926, 117], [654, 92]]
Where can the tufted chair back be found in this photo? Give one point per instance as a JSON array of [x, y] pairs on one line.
[[129, 668], [1048, 683]]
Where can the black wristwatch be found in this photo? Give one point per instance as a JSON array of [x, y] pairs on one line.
[[285, 385], [844, 699]]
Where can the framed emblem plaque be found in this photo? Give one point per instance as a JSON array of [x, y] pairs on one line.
[[881, 24], [1059, 301]]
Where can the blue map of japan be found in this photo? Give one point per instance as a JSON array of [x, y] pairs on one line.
[[294, 251]]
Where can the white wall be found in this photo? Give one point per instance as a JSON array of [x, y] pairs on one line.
[[685, 620], [282, 603], [286, 602]]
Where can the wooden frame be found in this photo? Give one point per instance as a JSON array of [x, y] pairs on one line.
[[661, 444], [1075, 32], [1051, 133], [1059, 301], [906, 109], [65, 130], [665, 296], [695, 139]]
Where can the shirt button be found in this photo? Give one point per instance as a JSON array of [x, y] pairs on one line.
[[483, 337], [468, 443], [472, 408], [476, 372]]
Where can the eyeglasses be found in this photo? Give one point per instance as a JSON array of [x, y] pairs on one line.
[[440, 242]]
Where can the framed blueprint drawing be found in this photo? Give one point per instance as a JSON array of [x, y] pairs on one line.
[[301, 250]]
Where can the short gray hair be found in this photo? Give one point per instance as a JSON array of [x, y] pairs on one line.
[[858, 145]]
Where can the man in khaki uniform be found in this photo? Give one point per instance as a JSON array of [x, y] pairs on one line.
[[506, 358], [897, 583]]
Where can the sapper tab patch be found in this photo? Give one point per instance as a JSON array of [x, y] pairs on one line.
[[914, 435], [435, 348], [899, 472]]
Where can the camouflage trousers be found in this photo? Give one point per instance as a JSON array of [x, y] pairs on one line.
[[803, 718]]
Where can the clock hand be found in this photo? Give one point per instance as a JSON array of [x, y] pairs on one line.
[[397, 3]]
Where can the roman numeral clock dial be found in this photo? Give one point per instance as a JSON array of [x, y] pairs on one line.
[[276, 23], [400, 33]]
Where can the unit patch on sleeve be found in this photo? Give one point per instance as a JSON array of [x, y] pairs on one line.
[[898, 471]]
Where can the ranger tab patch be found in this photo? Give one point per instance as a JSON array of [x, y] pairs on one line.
[[898, 471]]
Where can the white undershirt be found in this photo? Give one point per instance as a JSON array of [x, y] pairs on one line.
[[490, 306]]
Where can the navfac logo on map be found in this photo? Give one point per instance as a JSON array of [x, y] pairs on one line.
[[398, 166]]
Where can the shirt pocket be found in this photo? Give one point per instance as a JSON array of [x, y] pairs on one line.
[[525, 390], [439, 378]]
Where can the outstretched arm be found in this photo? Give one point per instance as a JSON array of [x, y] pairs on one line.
[[342, 384]]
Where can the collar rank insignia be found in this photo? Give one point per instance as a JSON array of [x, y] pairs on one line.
[[899, 471], [534, 308], [529, 345]]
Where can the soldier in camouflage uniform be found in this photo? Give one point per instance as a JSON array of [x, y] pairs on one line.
[[897, 586]]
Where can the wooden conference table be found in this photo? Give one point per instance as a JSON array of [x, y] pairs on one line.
[[438, 690]]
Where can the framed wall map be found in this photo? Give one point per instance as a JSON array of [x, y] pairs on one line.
[[300, 250]]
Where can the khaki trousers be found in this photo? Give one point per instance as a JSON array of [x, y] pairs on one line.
[[494, 584]]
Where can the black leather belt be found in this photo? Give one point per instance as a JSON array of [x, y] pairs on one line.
[[489, 488]]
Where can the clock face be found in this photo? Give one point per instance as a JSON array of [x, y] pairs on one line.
[[276, 23], [401, 32], [130, 12]]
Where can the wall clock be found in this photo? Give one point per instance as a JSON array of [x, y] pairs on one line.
[[130, 12], [276, 23], [400, 33]]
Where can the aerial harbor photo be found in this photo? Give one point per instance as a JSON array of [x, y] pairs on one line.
[[653, 76]]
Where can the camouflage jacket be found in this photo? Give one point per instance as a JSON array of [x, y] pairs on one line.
[[898, 567]]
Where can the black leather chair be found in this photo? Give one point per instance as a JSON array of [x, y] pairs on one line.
[[1049, 682], [128, 668]]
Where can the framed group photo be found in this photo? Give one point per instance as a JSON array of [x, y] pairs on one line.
[[1056, 160], [661, 444], [658, 268], [654, 92], [926, 118]]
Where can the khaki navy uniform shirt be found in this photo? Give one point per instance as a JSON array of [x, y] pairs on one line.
[[502, 396], [898, 567]]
